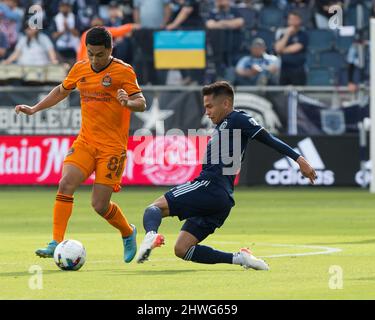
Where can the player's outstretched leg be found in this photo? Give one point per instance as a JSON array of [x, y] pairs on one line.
[[151, 222], [187, 248]]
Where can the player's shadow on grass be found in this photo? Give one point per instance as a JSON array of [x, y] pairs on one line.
[[367, 241], [364, 279], [161, 272], [26, 274]]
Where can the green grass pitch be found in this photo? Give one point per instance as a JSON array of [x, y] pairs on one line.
[[280, 224]]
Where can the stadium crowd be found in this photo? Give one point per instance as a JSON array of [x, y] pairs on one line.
[[249, 42]]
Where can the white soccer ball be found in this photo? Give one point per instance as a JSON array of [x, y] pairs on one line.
[[70, 255]]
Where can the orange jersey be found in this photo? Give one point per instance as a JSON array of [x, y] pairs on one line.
[[105, 122]]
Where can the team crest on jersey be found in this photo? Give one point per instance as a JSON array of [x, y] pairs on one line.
[[106, 81], [223, 125]]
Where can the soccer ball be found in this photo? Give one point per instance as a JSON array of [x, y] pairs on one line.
[[70, 255]]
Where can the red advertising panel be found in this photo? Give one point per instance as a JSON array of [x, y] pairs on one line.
[[161, 160]]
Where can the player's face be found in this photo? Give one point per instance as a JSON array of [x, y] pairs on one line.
[[217, 108], [99, 56]]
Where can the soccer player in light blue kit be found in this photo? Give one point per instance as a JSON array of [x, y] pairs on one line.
[[206, 201]]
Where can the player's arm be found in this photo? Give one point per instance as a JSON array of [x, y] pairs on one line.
[[268, 139], [135, 102], [58, 94]]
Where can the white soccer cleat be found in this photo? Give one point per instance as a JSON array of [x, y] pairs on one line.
[[152, 240], [250, 261]]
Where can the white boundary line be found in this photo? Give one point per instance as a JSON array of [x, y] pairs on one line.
[[326, 250]]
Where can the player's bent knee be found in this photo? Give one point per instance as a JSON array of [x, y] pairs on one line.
[[162, 204], [180, 250], [100, 207], [66, 186]]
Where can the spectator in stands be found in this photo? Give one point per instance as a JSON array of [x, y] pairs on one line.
[[258, 68], [3, 45], [33, 49], [115, 31], [10, 20], [65, 32], [122, 46], [152, 14], [224, 16], [304, 8], [224, 36], [85, 11], [185, 15], [291, 46], [358, 62], [322, 14]]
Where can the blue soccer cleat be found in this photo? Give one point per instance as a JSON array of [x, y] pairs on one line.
[[47, 252], [130, 245]]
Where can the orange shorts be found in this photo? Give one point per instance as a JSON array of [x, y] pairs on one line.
[[108, 165]]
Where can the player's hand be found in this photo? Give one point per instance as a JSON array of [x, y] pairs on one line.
[[122, 97], [23, 108], [306, 170]]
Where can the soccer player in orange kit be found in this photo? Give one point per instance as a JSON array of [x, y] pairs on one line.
[[109, 93]]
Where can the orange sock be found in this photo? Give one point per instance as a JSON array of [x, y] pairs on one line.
[[116, 218], [61, 214]]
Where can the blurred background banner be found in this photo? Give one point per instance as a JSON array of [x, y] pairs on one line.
[[180, 49], [335, 159], [31, 160], [175, 108], [316, 118]]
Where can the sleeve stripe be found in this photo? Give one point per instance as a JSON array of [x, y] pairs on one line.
[[67, 88], [256, 133], [134, 93]]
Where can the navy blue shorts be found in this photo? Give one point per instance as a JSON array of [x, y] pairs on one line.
[[203, 204]]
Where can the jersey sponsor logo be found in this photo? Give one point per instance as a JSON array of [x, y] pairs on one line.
[[223, 125], [286, 170], [106, 81], [363, 176]]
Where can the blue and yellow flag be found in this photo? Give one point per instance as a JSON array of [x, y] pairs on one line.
[[180, 49]]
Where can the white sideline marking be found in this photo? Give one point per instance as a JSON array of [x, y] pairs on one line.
[[326, 250]]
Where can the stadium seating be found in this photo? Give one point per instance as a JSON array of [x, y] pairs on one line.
[[33, 74], [312, 59], [320, 40], [332, 59], [271, 18], [342, 44], [320, 77], [250, 16]]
